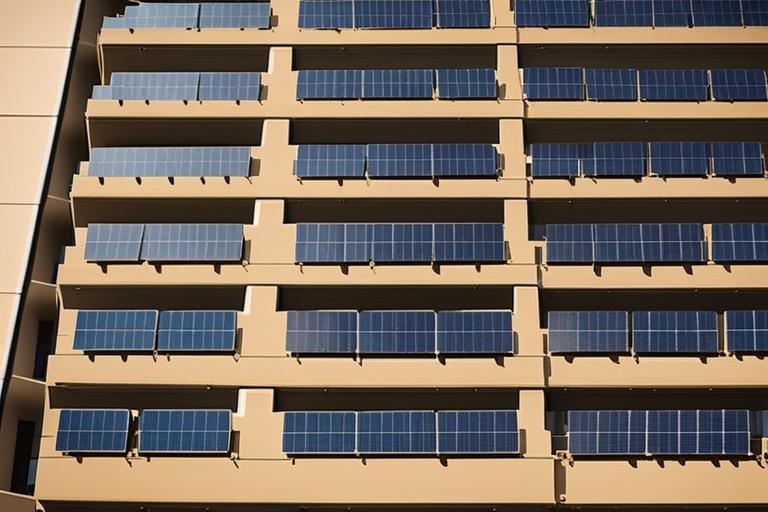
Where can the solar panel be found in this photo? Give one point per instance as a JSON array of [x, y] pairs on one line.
[[615, 159], [623, 13], [463, 13], [330, 84], [679, 158], [746, 331], [153, 86], [123, 331], [466, 83], [197, 331], [93, 430], [396, 432], [570, 243], [740, 242], [230, 86], [672, 13], [399, 160], [397, 332], [737, 158], [550, 160], [478, 432], [611, 84], [552, 13], [320, 332], [401, 243], [607, 432], [450, 160], [673, 84], [474, 332], [328, 432], [157, 15], [398, 83], [716, 13], [393, 13], [326, 14], [170, 161], [319, 243], [184, 431], [481, 242], [653, 243], [674, 331], [235, 15], [755, 13], [192, 242], [587, 331], [330, 161], [553, 84], [739, 85], [113, 242]]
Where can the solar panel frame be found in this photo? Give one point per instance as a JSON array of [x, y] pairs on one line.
[[373, 14], [737, 158], [326, 14], [113, 243], [173, 431], [686, 332], [396, 332], [739, 242], [236, 86], [552, 13], [319, 432], [399, 160], [553, 84], [746, 331], [321, 332], [465, 83], [623, 13], [739, 85], [398, 83], [679, 158], [115, 330], [396, 432], [571, 332], [192, 242], [478, 432], [611, 84], [235, 15], [475, 332], [463, 14], [343, 84], [79, 429], [202, 161], [674, 85], [197, 331]]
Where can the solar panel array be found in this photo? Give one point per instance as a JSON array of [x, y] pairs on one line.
[[202, 431], [395, 160], [399, 243], [746, 331], [625, 243], [193, 15], [93, 430], [170, 161], [636, 159], [399, 332], [659, 432], [404, 14], [740, 242], [475, 83], [113, 242], [471, 432], [136, 331], [587, 331], [180, 86]]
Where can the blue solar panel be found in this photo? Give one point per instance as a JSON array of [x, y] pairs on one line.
[[184, 431], [230, 86], [555, 160], [606, 432], [739, 85], [653, 243], [319, 243], [466, 83], [235, 15], [474, 243], [330, 84], [397, 332], [755, 13], [570, 243], [170, 161], [474, 332], [330, 161], [552, 13], [478, 432], [393, 13], [674, 331], [328, 432], [93, 431], [737, 158], [464, 160], [399, 160], [673, 84], [679, 158], [153, 86], [123, 331], [398, 83], [113, 242], [463, 13], [672, 13], [396, 432], [611, 84], [623, 13], [401, 243], [327, 14], [716, 13], [192, 242], [614, 159], [197, 331], [320, 332], [746, 331], [156, 15], [740, 242], [587, 331], [553, 84]]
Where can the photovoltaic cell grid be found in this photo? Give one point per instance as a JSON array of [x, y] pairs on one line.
[[463, 13], [181, 86], [673, 84], [553, 83], [659, 432], [399, 160], [587, 331], [611, 84], [614, 159], [230, 86], [716, 13], [330, 161], [469, 242], [674, 331], [464, 160], [326, 14], [193, 15], [104, 331], [679, 158], [672, 13], [396, 432], [317, 432], [197, 331], [398, 83], [192, 242], [552, 13], [474, 332], [739, 85], [740, 242], [113, 242], [373, 14], [747, 331], [623, 13], [321, 332], [237, 15], [737, 158], [329, 83], [396, 332], [466, 83], [170, 161], [184, 431], [393, 13], [477, 432], [93, 431]]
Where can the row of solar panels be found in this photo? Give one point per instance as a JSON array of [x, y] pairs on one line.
[[192, 15], [644, 84], [641, 13], [656, 332], [187, 86], [149, 330], [399, 332], [638, 159], [200, 161], [396, 83], [655, 243]]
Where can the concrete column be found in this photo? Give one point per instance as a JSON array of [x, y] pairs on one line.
[[536, 441], [530, 341]]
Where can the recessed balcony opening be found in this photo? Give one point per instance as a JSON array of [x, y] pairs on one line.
[[393, 210], [393, 57], [364, 131], [394, 399], [153, 211], [138, 398], [125, 132], [164, 298]]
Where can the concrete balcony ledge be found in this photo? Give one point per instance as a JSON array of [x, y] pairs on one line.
[[12, 502], [645, 110]]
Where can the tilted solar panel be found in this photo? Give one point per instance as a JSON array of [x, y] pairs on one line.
[[397, 332], [164, 431], [330, 84], [230, 86], [570, 243], [192, 242], [474, 243], [746, 331], [651, 243], [326, 14], [402, 242], [464, 160], [554, 160], [235, 15], [615, 159], [673, 85], [170, 161], [552, 13], [672, 13], [463, 13], [313, 432], [93, 430], [739, 85], [399, 160], [197, 331], [393, 13], [396, 432], [716, 13], [623, 13], [607, 432], [679, 158], [330, 161], [154, 86], [478, 432], [398, 83], [740, 242], [755, 13], [553, 84], [674, 331], [474, 332], [123, 331], [587, 331], [319, 243], [321, 332], [474, 83], [113, 242], [157, 15], [611, 84], [737, 158]]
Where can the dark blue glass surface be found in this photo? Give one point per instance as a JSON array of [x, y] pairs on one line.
[[164, 431], [739, 85], [92, 431], [587, 331], [674, 331], [316, 432], [192, 242], [673, 85], [679, 158], [197, 331], [478, 432], [330, 161], [321, 332], [330, 84], [473, 83], [553, 84], [396, 432], [474, 332], [623, 13], [552, 13], [740, 242], [746, 331], [122, 331], [611, 84], [393, 13], [327, 14], [463, 13], [113, 242], [397, 332]]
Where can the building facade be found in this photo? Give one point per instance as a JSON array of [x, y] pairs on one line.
[[411, 254]]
